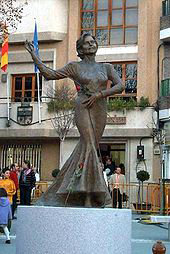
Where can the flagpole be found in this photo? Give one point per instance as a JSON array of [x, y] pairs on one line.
[[35, 41], [39, 102], [4, 65], [7, 92]]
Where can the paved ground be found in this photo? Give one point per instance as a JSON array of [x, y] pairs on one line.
[[143, 237], [9, 248]]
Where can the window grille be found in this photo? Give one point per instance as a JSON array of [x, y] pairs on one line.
[[17, 153]]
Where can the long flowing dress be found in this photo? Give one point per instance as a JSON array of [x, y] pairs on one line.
[[82, 176]]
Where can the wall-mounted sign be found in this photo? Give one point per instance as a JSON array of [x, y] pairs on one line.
[[116, 120], [24, 114]]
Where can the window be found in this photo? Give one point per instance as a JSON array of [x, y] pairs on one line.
[[24, 87], [113, 22], [127, 71]]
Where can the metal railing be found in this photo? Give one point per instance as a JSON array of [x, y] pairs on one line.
[[165, 87], [166, 8], [133, 197], [40, 188]]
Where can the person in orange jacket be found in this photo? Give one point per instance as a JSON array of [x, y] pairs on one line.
[[7, 184]]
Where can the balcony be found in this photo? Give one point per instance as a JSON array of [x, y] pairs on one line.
[[165, 21], [24, 122]]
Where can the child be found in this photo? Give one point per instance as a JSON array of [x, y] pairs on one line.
[[7, 184], [5, 213]]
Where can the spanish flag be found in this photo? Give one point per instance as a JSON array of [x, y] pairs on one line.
[[4, 54]]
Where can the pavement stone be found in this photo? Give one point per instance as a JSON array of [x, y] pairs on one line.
[[8, 248]]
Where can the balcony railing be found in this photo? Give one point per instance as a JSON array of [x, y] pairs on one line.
[[165, 21], [166, 8], [165, 87], [164, 98]]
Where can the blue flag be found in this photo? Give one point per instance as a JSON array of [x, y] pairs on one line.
[[35, 42]]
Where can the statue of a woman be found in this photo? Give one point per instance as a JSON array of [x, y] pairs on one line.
[[80, 181]]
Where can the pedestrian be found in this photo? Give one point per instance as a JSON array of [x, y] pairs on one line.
[[5, 213], [117, 185], [110, 166], [37, 175], [8, 184], [0, 174], [14, 176], [122, 166], [26, 183], [104, 173]]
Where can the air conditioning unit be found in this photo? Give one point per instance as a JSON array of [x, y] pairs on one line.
[[164, 114]]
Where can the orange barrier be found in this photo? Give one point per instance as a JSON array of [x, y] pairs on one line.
[[144, 198], [167, 199], [40, 188], [149, 201]]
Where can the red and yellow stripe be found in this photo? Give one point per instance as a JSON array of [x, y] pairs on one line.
[[4, 55]]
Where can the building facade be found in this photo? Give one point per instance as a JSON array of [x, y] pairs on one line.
[[128, 33]]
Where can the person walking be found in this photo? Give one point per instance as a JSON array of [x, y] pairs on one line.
[[8, 184], [14, 177], [117, 185], [5, 213], [26, 183], [109, 167], [122, 166]]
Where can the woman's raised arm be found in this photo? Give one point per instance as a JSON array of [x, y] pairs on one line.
[[48, 73]]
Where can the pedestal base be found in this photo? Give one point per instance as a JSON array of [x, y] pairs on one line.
[[43, 230]]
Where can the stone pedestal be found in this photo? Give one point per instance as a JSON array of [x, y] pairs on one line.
[[43, 230]]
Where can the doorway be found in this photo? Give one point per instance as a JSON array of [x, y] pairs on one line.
[[116, 151]]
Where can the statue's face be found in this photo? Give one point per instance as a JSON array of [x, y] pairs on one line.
[[89, 46]]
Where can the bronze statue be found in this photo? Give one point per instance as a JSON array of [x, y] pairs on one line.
[[80, 181]]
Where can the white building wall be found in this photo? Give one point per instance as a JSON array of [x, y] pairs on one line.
[[67, 148], [51, 15], [148, 155], [134, 118]]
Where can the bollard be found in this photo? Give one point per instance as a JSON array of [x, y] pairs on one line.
[[159, 248]]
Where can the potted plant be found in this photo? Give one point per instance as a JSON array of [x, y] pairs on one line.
[[142, 176], [55, 172]]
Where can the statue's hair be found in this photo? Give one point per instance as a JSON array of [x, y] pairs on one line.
[[80, 42]]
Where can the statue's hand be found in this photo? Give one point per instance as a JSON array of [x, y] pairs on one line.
[[89, 102], [29, 46]]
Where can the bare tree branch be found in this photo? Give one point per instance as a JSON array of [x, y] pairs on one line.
[[11, 14], [62, 106]]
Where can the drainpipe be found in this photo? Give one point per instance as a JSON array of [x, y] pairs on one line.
[[162, 192]]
